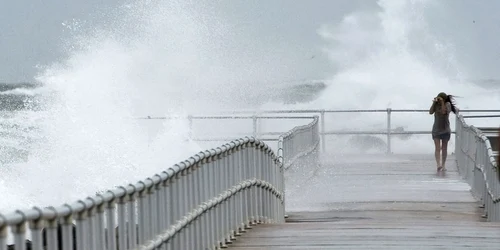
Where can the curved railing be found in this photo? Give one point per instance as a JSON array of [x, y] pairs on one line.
[[203, 202], [476, 163], [299, 142]]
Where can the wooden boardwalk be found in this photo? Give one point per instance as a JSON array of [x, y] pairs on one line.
[[396, 202]]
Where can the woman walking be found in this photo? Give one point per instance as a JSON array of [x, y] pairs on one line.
[[441, 107]]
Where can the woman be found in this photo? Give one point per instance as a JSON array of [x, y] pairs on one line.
[[441, 107]]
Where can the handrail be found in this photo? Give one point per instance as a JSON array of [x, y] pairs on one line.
[[476, 163], [381, 110], [257, 115], [202, 202], [198, 186], [299, 142], [237, 114]]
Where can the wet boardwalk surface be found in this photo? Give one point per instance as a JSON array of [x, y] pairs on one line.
[[396, 202]]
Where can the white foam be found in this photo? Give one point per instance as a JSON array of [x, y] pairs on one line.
[[153, 58], [389, 59]]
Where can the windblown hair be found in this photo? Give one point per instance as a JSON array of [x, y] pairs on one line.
[[451, 100]]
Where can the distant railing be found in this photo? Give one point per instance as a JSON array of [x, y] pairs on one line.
[[264, 136], [299, 142], [257, 116], [477, 164], [202, 202]]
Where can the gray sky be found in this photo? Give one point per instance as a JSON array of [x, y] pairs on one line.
[[31, 30]]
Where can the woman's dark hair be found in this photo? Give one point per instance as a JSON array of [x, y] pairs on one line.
[[451, 100]]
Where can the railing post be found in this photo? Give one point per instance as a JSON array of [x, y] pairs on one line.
[[323, 130], [36, 228], [498, 158], [389, 110], [19, 232], [67, 231], [457, 136]]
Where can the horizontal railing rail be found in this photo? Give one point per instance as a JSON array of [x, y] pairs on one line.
[[477, 164], [481, 116], [255, 128], [221, 139], [374, 132], [258, 115], [318, 111]]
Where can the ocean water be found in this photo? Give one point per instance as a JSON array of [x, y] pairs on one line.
[[73, 131]]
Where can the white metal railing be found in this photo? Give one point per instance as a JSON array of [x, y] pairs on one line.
[[202, 202], [299, 142], [476, 163], [324, 129], [255, 132]]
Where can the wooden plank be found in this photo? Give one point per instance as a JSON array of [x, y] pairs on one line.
[[373, 202]]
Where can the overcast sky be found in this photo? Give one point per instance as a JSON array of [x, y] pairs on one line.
[[31, 30]]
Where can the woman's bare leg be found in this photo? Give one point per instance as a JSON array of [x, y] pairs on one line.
[[437, 149], [444, 152]]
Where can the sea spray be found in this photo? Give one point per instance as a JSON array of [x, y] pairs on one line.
[[146, 58]]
